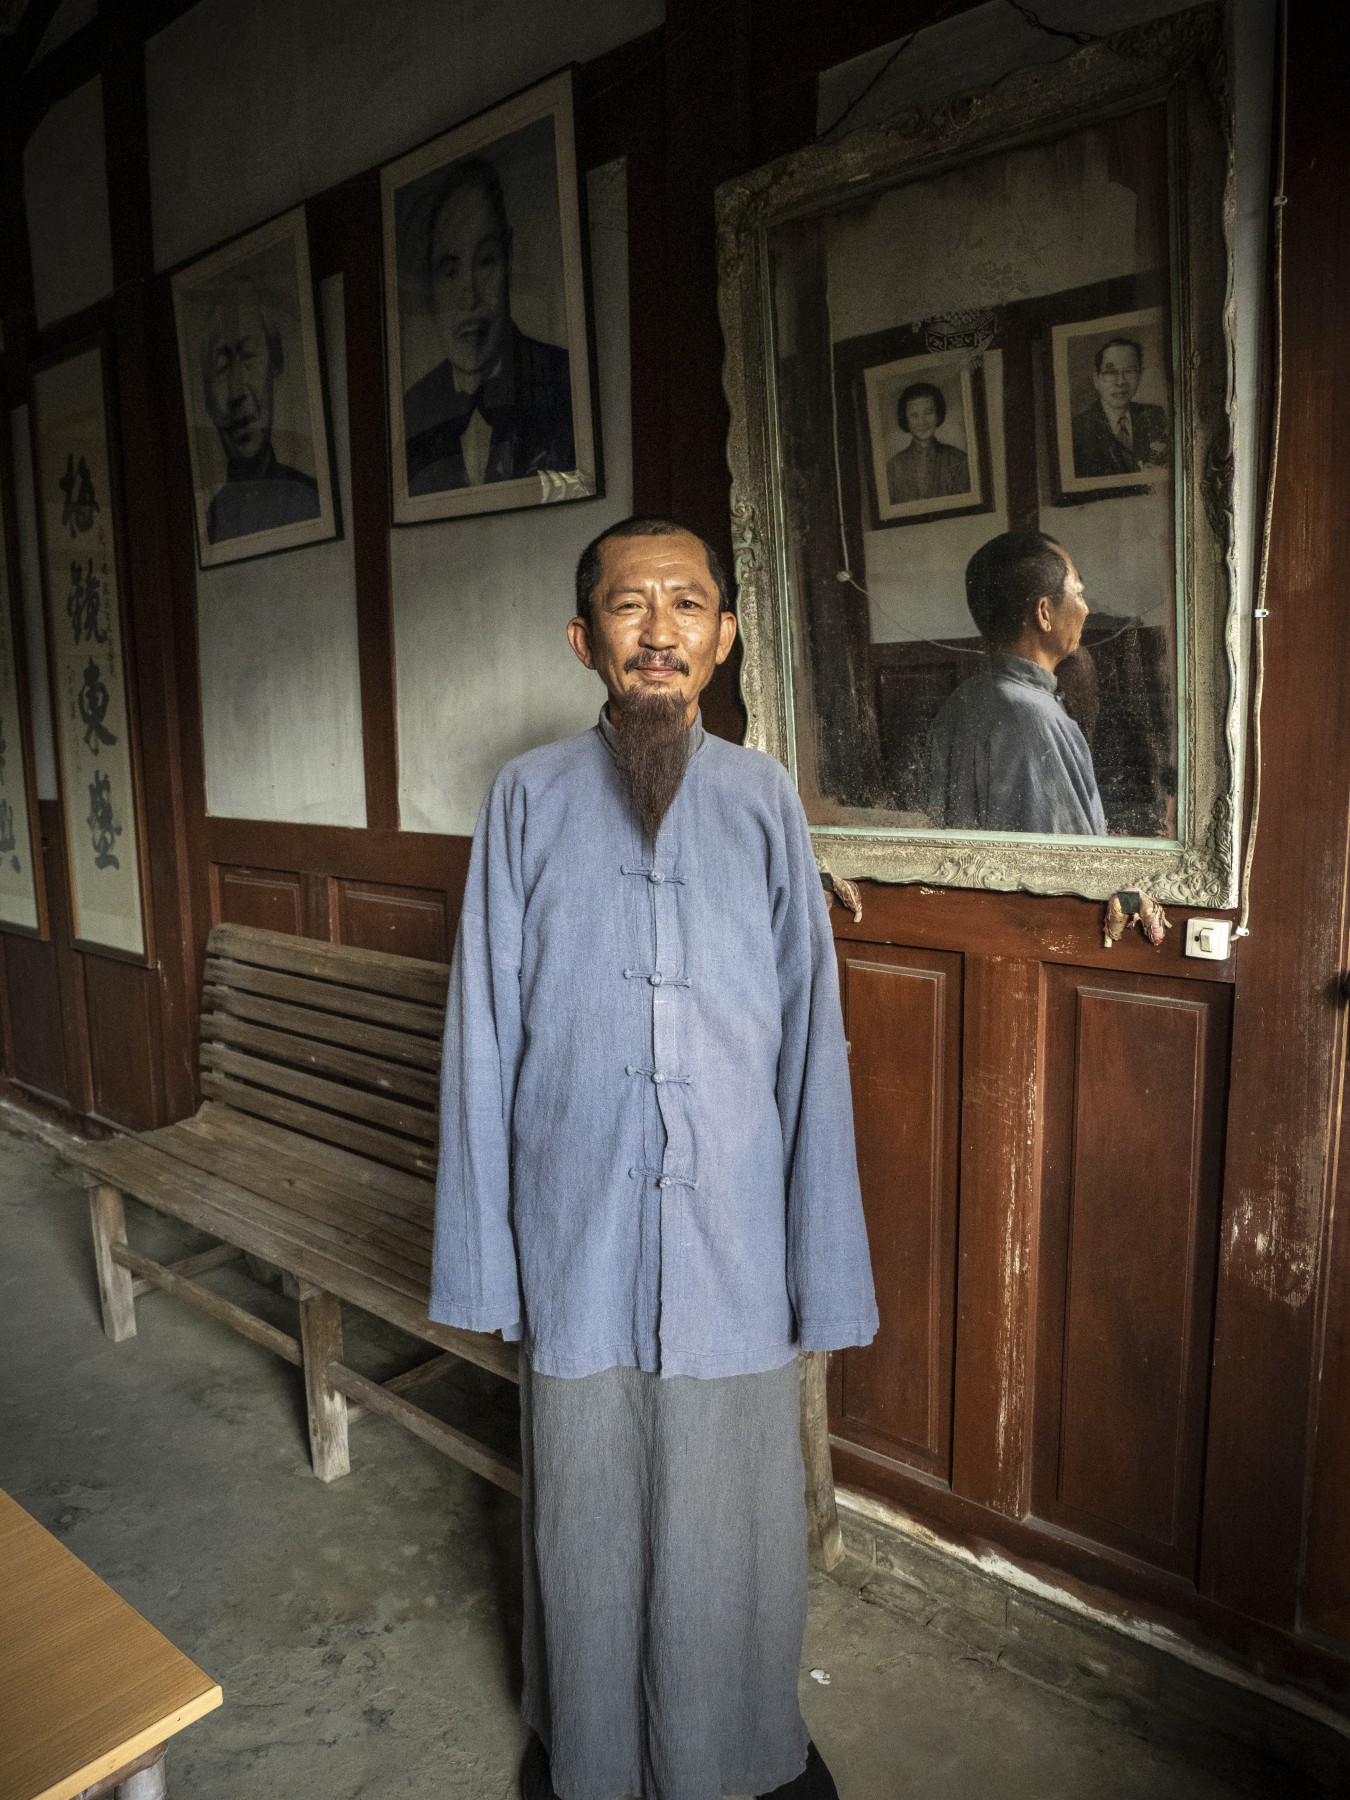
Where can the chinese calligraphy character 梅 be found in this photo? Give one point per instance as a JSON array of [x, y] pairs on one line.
[[81, 503]]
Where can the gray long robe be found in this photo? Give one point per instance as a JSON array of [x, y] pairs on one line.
[[1005, 756]]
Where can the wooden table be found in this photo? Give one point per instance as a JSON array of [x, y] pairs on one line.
[[87, 1686]]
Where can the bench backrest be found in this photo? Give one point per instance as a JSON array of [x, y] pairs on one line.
[[342, 1045]]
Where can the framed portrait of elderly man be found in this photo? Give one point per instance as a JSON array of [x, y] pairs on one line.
[[486, 316], [1112, 404], [258, 439], [1006, 325]]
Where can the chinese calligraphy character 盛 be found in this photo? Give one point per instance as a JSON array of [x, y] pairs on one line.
[[103, 831], [94, 702], [77, 484]]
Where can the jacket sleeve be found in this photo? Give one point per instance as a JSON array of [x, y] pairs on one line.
[[829, 1272], [474, 1279]]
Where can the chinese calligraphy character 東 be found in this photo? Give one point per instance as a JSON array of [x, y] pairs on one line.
[[94, 702]]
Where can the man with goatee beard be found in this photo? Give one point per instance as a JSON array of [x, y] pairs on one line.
[[647, 1177]]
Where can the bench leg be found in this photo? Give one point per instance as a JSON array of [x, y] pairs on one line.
[[825, 1540], [321, 1340], [108, 1218]]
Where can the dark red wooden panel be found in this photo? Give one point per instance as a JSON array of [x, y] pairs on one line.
[[121, 1002], [1134, 1083], [903, 1016], [269, 898], [407, 921], [33, 1001]]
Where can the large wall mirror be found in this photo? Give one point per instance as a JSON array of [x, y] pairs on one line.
[[1004, 314]]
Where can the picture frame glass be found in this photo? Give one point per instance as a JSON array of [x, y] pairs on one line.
[[1054, 252], [950, 336]]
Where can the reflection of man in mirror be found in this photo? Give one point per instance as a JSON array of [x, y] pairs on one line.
[[1117, 435], [499, 405], [1003, 754], [242, 361], [927, 468]]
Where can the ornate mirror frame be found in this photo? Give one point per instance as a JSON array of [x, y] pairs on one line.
[[1177, 63]]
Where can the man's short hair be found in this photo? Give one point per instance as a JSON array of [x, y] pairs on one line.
[[469, 172], [239, 293], [920, 390], [1005, 578], [1121, 343], [589, 568]]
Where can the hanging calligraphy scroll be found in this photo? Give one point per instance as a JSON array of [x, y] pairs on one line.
[[86, 654], [20, 900]]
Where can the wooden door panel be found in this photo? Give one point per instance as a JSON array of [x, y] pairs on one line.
[[271, 899], [406, 921], [122, 1011], [902, 1011], [1134, 1080]]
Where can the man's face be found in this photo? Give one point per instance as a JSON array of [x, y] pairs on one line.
[[1118, 378], [655, 625], [239, 382], [1069, 614], [470, 283], [921, 417]]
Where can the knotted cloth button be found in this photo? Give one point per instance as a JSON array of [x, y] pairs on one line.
[[658, 1077], [655, 979], [664, 1182], [656, 876]]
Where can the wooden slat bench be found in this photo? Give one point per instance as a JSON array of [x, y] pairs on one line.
[[315, 1150]]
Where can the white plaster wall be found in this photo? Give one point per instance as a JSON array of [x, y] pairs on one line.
[[256, 104], [30, 583], [65, 186], [481, 605], [281, 683]]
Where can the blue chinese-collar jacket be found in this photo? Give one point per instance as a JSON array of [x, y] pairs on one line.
[[647, 1152]]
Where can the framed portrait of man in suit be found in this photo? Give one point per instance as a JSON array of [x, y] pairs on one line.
[[1112, 403], [486, 316], [258, 439]]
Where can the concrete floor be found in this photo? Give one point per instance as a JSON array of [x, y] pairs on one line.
[[364, 1633]]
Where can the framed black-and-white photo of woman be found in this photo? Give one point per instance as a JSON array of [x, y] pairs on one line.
[[486, 316], [926, 451]]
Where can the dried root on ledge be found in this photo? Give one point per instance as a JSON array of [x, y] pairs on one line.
[[1132, 906]]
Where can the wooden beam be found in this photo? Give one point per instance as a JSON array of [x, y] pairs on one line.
[[246, 1323], [215, 1258], [457, 1445]]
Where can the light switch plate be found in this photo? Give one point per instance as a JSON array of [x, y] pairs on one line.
[[1210, 939]]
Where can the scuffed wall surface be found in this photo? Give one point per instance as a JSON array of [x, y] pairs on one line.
[[257, 104], [65, 186], [281, 682], [480, 605]]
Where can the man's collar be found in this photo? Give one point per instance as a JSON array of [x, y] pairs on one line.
[[1020, 668], [611, 737]]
